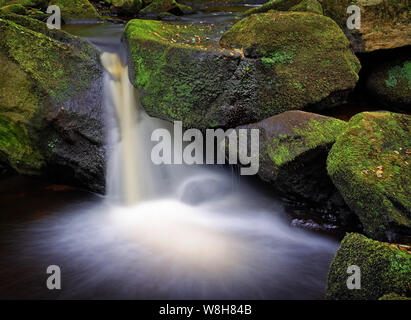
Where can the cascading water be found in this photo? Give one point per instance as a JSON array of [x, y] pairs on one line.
[[184, 233]]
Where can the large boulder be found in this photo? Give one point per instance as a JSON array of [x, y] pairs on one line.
[[385, 24], [384, 269], [370, 165], [51, 115], [293, 148], [75, 11], [264, 65]]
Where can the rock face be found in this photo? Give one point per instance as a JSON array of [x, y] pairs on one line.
[[76, 11], [385, 269], [266, 64], [390, 82], [385, 24], [292, 154], [370, 165], [50, 104]]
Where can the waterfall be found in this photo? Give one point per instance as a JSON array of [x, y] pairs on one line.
[[123, 180]]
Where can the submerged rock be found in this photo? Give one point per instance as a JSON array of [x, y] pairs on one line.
[[385, 269], [385, 24], [76, 11], [50, 104], [370, 165], [292, 153], [264, 65]]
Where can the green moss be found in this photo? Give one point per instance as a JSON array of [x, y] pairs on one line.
[[76, 10], [39, 76], [397, 73], [172, 81], [369, 164], [278, 57], [314, 133], [308, 5], [384, 269]]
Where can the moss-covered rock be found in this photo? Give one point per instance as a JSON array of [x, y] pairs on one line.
[[304, 58], [50, 104], [76, 11], [385, 268], [370, 165], [179, 72], [280, 5], [390, 82], [159, 6], [308, 5], [39, 4], [126, 7], [385, 24], [292, 154], [267, 64]]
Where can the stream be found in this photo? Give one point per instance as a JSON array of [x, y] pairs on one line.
[[189, 232]]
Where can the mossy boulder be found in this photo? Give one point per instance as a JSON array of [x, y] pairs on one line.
[[280, 5], [390, 82], [50, 104], [179, 72], [385, 269], [264, 65], [75, 11], [126, 7], [370, 165], [385, 24], [171, 6], [293, 148]]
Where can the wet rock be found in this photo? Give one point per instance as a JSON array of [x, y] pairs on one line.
[[198, 189], [264, 65], [370, 165], [51, 115], [385, 24], [385, 269], [293, 147]]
